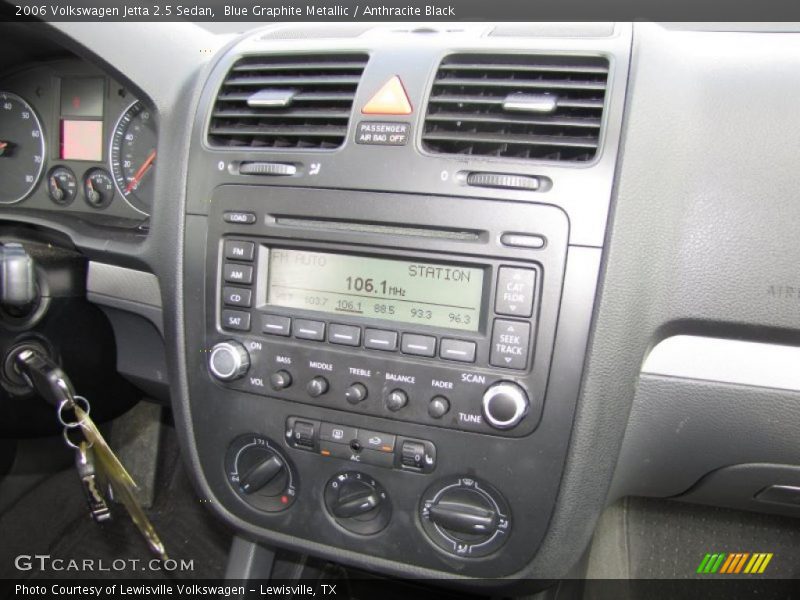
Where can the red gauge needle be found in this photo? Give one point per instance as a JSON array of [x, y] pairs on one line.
[[137, 177]]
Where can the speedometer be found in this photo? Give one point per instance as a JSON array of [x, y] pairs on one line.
[[21, 148], [132, 156]]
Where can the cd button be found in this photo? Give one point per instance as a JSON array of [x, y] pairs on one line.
[[309, 330], [380, 339], [233, 296], [419, 345]]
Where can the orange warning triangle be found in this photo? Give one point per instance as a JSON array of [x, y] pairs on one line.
[[391, 99]]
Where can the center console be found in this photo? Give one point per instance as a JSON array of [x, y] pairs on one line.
[[383, 359]]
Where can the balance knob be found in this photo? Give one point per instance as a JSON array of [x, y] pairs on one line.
[[505, 404], [229, 360]]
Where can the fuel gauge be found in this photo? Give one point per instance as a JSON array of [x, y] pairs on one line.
[[62, 185], [98, 188]]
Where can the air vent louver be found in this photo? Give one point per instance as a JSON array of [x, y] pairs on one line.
[[517, 106], [287, 101]]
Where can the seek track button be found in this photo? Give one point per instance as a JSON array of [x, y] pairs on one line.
[[510, 344]]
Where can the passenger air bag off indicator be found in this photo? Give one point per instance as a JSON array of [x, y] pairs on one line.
[[391, 99], [382, 133]]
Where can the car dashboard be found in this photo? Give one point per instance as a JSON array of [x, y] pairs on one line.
[[425, 299]]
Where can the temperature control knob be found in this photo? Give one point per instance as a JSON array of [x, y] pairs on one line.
[[505, 404], [358, 502], [229, 360], [465, 517], [260, 473]]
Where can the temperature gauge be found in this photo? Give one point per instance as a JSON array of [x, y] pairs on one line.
[[62, 185], [98, 188]]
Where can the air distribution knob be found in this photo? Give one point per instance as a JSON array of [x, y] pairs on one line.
[[505, 404], [229, 360]]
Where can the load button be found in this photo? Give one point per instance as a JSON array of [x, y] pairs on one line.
[[510, 344]]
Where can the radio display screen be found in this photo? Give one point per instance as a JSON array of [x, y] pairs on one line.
[[437, 295]]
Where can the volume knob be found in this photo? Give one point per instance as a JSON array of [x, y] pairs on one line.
[[229, 360], [505, 404]]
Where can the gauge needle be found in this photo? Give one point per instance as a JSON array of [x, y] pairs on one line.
[[137, 177], [58, 193]]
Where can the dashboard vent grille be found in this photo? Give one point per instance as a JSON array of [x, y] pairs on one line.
[[287, 101], [517, 106]]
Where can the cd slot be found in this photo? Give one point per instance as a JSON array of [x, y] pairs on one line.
[[459, 235]]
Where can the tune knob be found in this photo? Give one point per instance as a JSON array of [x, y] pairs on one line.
[[229, 360], [505, 404]]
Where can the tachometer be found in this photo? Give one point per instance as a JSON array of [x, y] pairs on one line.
[[21, 148], [132, 156]]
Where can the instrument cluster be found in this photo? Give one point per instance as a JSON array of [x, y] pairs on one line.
[[74, 139]]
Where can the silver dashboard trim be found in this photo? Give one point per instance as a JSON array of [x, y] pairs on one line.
[[726, 361], [124, 284]]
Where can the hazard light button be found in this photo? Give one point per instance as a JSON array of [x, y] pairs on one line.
[[391, 99], [510, 344]]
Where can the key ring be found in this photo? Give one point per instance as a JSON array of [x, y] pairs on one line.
[[72, 401], [70, 443]]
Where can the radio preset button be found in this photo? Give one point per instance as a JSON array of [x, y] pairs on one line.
[[237, 273], [309, 330], [280, 380], [515, 289], [439, 406], [380, 339], [317, 386], [238, 250], [459, 350], [233, 296], [396, 400], [347, 335], [339, 434], [276, 325], [419, 345], [236, 319], [510, 343]]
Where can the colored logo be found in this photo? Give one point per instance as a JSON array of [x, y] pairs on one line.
[[734, 563]]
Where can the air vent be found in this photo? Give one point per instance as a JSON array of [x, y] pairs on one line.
[[517, 106], [287, 101]]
